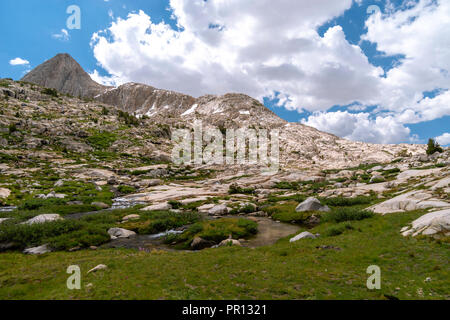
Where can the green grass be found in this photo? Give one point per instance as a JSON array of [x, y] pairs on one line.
[[235, 189], [283, 271], [160, 221], [89, 230], [314, 186], [6, 158], [286, 213], [102, 140], [126, 189], [345, 202], [215, 231], [346, 214], [50, 92], [60, 235], [4, 83]]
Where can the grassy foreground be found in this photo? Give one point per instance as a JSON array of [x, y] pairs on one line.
[[286, 270]]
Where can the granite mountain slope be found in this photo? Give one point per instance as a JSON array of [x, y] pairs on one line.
[[300, 145]]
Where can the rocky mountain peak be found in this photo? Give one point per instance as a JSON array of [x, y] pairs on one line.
[[64, 74], [141, 99]]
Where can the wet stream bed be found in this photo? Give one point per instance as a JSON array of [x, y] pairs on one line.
[[269, 231]]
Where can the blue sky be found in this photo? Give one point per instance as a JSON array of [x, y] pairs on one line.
[[32, 29]]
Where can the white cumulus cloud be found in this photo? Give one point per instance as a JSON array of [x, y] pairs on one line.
[[241, 46], [360, 127], [18, 62], [444, 139], [262, 48]]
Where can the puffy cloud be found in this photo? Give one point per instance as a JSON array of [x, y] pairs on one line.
[[241, 46], [360, 127], [444, 139], [105, 80], [419, 33], [18, 62], [245, 46]]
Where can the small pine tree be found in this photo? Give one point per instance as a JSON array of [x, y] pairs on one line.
[[433, 147]]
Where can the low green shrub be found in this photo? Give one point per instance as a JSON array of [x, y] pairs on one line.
[[346, 214], [286, 213], [102, 140], [4, 157], [334, 231], [346, 202], [126, 189], [287, 185], [36, 204], [50, 92], [216, 231], [235, 189], [128, 118], [89, 236], [12, 128], [37, 234], [160, 221], [175, 204], [390, 171]]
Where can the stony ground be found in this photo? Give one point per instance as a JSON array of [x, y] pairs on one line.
[[84, 183]]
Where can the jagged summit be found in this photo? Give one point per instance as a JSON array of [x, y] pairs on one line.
[[64, 74], [141, 99]]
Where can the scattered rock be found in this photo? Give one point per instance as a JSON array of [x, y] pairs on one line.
[[377, 168], [377, 178], [146, 183], [100, 205], [59, 183], [442, 183], [4, 193], [3, 220], [433, 224], [311, 204], [200, 243], [75, 146], [303, 235], [413, 200], [206, 207], [116, 233], [38, 250], [43, 218], [312, 221], [230, 242], [98, 268], [76, 202], [158, 207], [52, 195], [131, 217], [218, 210], [8, 246], [259, 214]]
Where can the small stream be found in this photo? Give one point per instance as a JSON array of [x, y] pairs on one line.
[[118, 204], [125, 203], [269, 231], [7, 209]]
